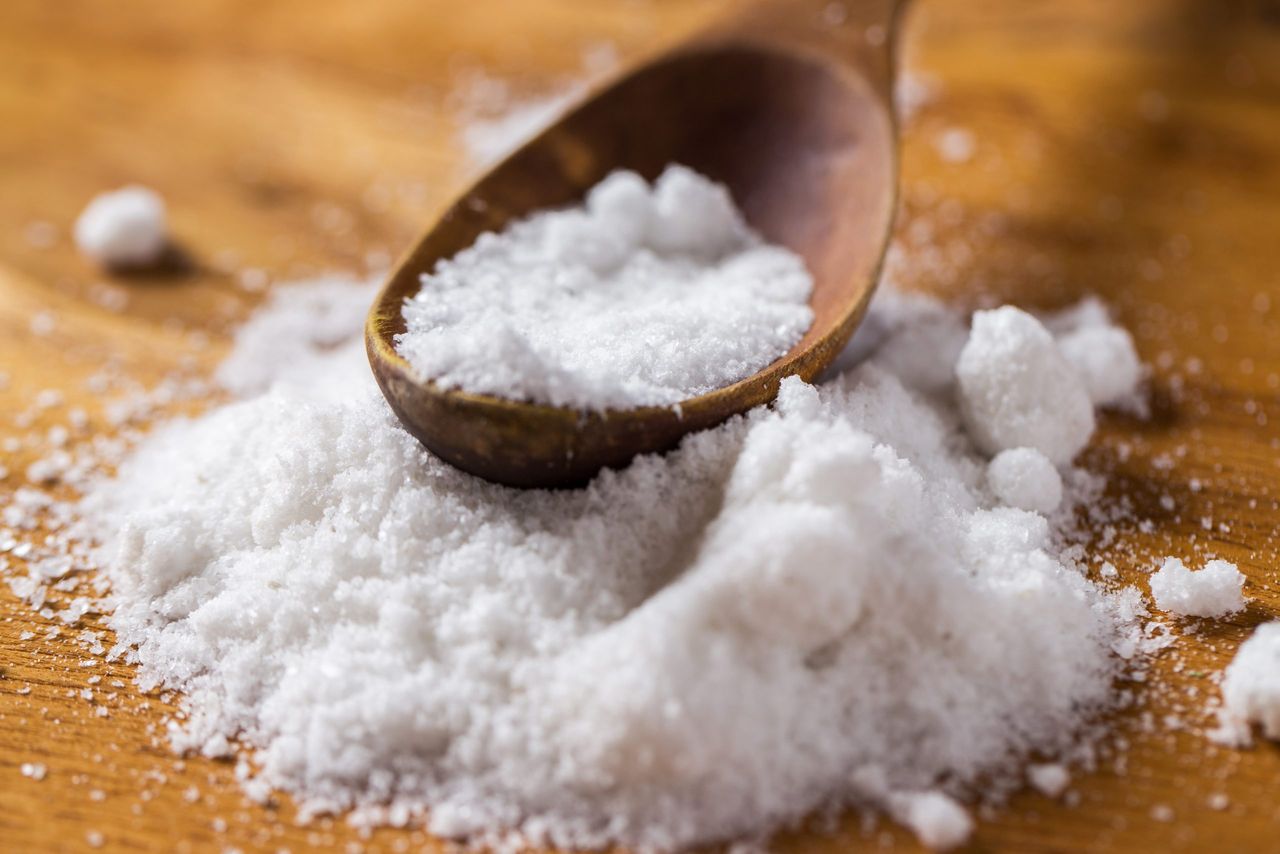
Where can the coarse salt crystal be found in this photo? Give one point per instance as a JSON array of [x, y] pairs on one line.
[[123, 228], [1251, 689], [956, 145], [1017, 390], [1214, 591]]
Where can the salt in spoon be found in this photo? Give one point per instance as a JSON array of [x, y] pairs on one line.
[[790, 105]]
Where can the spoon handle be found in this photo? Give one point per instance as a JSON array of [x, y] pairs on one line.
[[857, 33]]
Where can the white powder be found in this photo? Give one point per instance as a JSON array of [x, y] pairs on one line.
[[1016, 389], [812, 605], [1213, 591], [1251, 689], [123, 228], [1024, 478], [645, 296]]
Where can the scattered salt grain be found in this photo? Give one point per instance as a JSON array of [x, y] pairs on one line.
[[1024, 478], [937, 820], [1016, 390], [302, 331], [95, 839], [913, 92], [1049, 779], [1214, 591], [33, 770], [955, 145], [1251, 689], [123, 228], [644, 296], [43, 323]]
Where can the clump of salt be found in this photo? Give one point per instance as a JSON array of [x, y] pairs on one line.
[[1251, 689], [1102, 353], [1016, 389], [612, 665], [123, 228], [1214, 591], [1024, 478], [644, 296], [1049, 779]]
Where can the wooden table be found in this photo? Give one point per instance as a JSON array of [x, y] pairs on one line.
[[1130, 149]]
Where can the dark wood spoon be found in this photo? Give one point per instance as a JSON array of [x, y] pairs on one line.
[[790, 106]]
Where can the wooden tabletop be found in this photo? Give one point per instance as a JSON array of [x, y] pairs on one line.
[[1130, 149]]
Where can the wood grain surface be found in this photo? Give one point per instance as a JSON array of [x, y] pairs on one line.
[[1128, 149]]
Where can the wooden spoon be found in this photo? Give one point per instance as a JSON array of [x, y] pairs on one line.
[[790, 106]]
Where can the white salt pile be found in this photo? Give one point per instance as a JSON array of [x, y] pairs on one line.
[[1251, 689], [814, 605], [123, 228], [1214, 591], [644, 296]]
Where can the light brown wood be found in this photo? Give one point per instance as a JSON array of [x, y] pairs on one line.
[[1124, 148], [791, 111]]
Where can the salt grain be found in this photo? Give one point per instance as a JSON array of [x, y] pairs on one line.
[[123, 228], [1102, 353], [955, 145], [1024, 478], [1214, 591]]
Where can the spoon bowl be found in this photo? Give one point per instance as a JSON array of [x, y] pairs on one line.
[[798, 127]]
